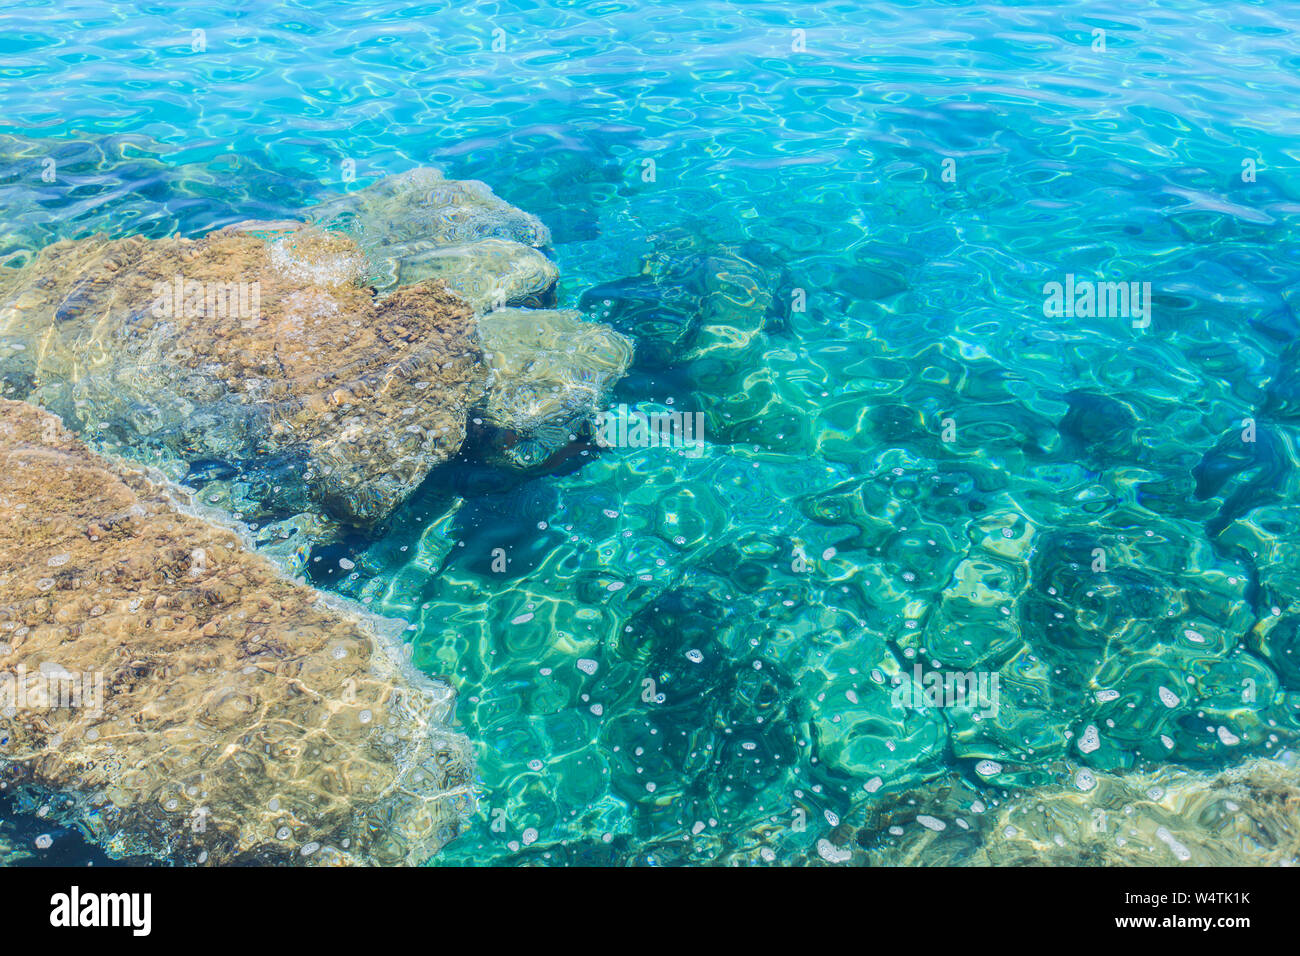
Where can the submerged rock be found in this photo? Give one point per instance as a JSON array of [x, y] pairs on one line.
[[418, 224], [691, 302], [549, 372], [1248, 469], [1244, 816], [422, 204], [488, 274], [705, 310], [267, 357], [298, 371], [199, 706]]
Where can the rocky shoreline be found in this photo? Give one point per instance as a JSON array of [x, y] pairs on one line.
[[324, 366], [308, 376], [233, 715]]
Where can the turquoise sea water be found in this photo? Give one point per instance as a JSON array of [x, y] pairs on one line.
[[829, 228]]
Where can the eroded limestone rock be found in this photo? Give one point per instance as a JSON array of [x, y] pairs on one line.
[[310, 371], [224, 712], [418, 225], [1245, 816], [422, 204], [488, 274], [267, 356], [550, 372]]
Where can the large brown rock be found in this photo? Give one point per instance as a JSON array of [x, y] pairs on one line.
[[222, 713], [320, 396], [309, 376]]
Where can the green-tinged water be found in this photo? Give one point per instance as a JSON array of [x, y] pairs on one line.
[[831, 234]]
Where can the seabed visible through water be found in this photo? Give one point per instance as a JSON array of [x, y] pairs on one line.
[[650, 434]]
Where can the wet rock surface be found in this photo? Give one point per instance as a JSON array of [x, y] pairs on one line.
[[549, 373], [195, 704], [298, 372], [418, 225], [488, 274], [423, 204], [267, 357]]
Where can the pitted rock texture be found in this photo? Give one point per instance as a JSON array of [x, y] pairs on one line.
[[224, 713], [261, 352]]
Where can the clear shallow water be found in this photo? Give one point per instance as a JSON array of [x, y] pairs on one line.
[[780, 177]]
